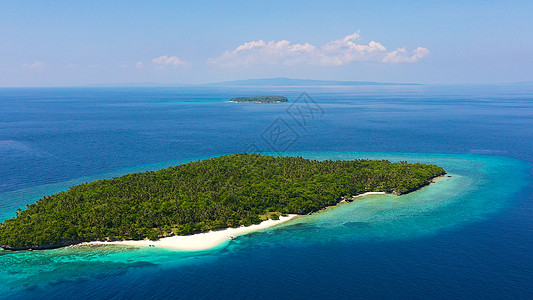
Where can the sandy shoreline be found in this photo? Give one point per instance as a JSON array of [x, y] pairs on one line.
[[207, 240], [371, 193], [200, 241]]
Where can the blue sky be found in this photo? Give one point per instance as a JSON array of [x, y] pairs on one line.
[[65, 43]]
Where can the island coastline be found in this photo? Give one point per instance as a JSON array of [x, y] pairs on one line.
[[199, 241], [213, 239], [195, 235]]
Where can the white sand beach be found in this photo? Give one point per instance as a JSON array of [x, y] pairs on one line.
[[371, 193], [200, 241], [207, 240], [357, 196]]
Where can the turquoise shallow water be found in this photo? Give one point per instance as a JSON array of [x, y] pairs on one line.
[[480, 186]]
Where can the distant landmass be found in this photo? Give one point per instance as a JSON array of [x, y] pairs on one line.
[[280, 81], [138, 84], [260, 99]]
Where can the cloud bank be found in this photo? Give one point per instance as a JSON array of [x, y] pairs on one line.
[[165, 60], [400, 55], [335, 53]]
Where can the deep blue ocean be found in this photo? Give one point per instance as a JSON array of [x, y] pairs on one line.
[[466, 236]]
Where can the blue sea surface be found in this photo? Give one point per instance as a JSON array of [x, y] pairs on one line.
[[466, 236]]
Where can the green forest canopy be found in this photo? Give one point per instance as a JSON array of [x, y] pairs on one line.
[[216, 193]]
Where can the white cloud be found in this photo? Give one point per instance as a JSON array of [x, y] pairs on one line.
[[139, 64], [36, 64], [165, 60], [335, 53], [400, 55]]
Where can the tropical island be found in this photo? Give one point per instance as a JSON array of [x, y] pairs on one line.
[[260, 99], [221, 192]]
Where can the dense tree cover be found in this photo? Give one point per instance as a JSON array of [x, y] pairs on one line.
[[260, 99], [220, 192]]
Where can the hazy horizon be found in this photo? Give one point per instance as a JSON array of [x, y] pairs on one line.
[[263, 82]]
